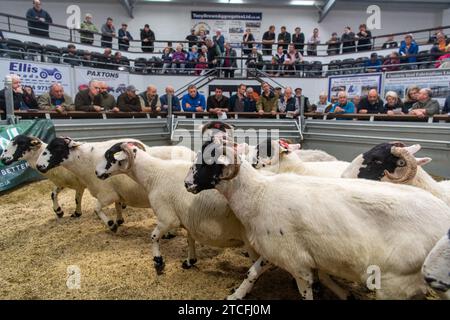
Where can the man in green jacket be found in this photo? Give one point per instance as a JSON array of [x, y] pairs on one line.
[[87, 30], [105, 99], [268, 101], [425, 106], [56, 100]]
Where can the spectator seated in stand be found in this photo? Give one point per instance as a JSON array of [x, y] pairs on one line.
[[150, 100], [292, 60], [104, 99], [56, 100], [394, 105], [323, 105], [29, 98], [105, 60], [178, 60], [412, 94], [165, 102], [408, 51], [254, 59], [217, 103], [193, 101], [288, 103], [237, 100], [374, 64], [71, 56], [392, 62], [390, 43], [18, 102], [276, 67], [192, 57], [372, 103], [425, 106], [86, 60], [129, 101], [166, 60], [250, 101], [268, 101], [444, 60], [201, 66], [440, 46], [343, 105], [84, 100]]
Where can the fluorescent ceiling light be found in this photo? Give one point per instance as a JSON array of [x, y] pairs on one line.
[[158, 0], [302, 3], [231, 1]]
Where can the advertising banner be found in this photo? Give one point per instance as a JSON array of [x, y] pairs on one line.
[[20, 172], [38, 75], [354, 85], [116, 80]]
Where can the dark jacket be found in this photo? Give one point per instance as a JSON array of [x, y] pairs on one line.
[[213, 103], [165, 104], [84, 101], [127, 104], [237, 105], [364, 104], [152, 103], [123, 43], [34, 23], [107, 36], [299, 41], [247, 47], [150, 35], [398, 106], [364, 42], [446, 108], [290, 105], [19, 104], [286, 38], [249, 105], [431, 106], [108, 102], [348, 42]]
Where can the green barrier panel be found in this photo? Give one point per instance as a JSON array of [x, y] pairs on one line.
[[20, 172]]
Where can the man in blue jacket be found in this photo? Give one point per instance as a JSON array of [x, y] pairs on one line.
[[38, 20], [193, 101], [175, 101], [408, 50], [343, 105]]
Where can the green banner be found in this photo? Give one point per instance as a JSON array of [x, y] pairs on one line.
[[20, 172]]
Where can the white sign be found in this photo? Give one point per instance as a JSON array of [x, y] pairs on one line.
[[354, 85], [232, 24], [438, 80], [117, 81], [37, 75]]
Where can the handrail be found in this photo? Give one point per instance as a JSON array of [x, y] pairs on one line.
[[231, 115], [240, 44]]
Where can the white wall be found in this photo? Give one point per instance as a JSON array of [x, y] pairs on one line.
[[445, 17], [172, 22]]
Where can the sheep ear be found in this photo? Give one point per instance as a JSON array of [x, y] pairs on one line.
[[120, 156], [35, 142], [284, 146], [423, 161], [293, 147]]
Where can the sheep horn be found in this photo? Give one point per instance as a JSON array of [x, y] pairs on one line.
[[125, 148], [235, 165], [411, 166], [139, 145]]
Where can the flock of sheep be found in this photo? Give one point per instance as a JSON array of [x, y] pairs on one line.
[[301, 210]]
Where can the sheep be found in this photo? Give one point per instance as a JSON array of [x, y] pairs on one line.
[[436, 268], [27, 148], [278, 156], [358, 224], [381, 164], [80, 158], [207, 217]]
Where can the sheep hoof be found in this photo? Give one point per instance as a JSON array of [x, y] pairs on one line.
[[233, 297], [159, 265], [114, 227], [168, 236], [188, 264], [75, 215], [120, 222]]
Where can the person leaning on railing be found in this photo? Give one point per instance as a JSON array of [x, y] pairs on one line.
[[334, 45], [298, 39], [364, 38], [372, 103], [84, 100], [108, 32], [237, 100], [56, 100], [409, 49], [150, 100], [29, 98], [193, 101], [288, 103], [412, 93], [251, 100], [323, 105], [17, 90], [38, 20], [394, 105], [164, 99], [268, 101], [129, 101], [343, 105], [147, 39], [425, 106], [104, 99], [218, 103], [87, 30]]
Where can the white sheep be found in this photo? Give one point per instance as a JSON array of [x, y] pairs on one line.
[[29, 149], [436, 268], [339, 226], [81, 158], [385, 162], [207, 217]]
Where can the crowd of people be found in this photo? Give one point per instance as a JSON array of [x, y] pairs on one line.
[[96, 98]]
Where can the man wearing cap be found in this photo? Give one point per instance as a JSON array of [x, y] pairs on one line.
[[129, 101], [87, 30], [124, 38], [303, 101]]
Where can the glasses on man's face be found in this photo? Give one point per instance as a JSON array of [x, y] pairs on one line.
[[97, 88]]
